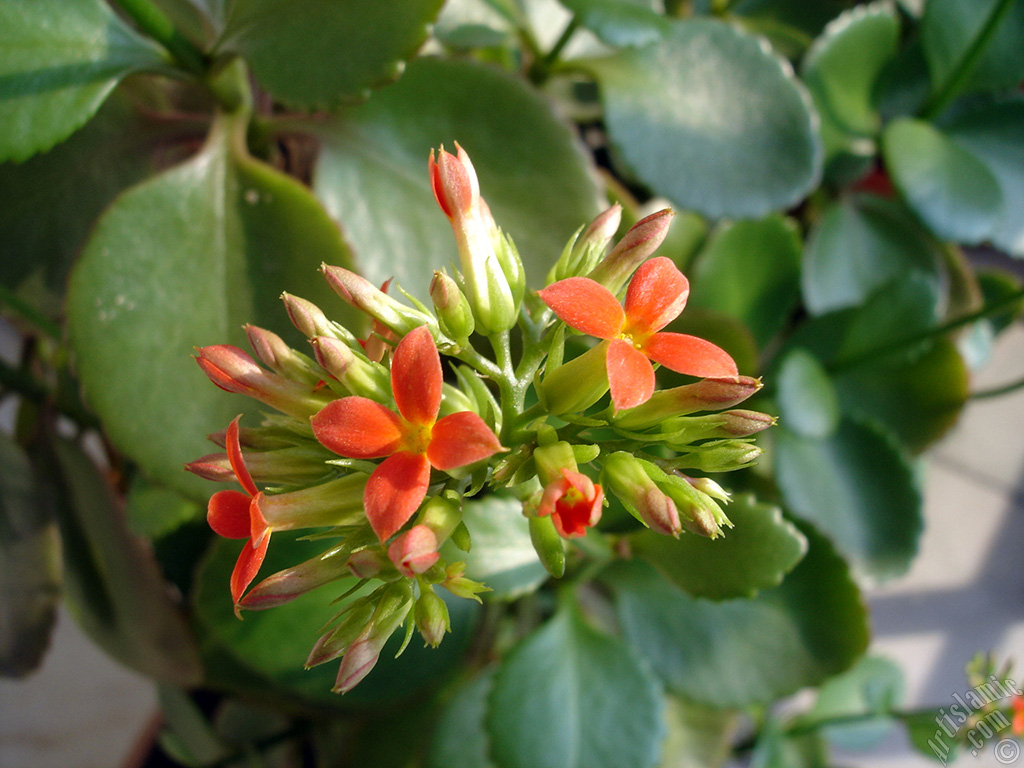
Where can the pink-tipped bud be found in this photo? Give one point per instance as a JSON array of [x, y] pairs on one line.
[[743, 423], [286, 585], [635, 247], [365, 296], [366, 563], [583, 252], [414, 551], [310, 320], [720, 456], [704, 395], [454, 182], [628, 478], [354, 371], [393, 605]]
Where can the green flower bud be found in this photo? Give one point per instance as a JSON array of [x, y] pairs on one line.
[[578, 384], [548, 544], [453, 312], [431, 617]]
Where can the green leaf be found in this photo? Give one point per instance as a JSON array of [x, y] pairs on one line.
[[859, 488], [30, 572], [113, 584], [154, 511], [698, 737], [806, 396], [777, 749], [751, 271], [840, 71], [924, 736], [740, 652], [58, 62], [860, 244], [948, 187], [373, 167], [318, 53], [620, 22], [756, 554], [460, 738], [571, 697], [502, 556], [264, 654], [991, 132], [949, 28], [712, 120], [184, 260]]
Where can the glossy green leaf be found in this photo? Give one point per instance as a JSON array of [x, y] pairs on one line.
[[712, 120], [859, 488], [154, 511], [992, 133], [460, 737], [58, 61], [948, 187], [619, 22], [572, 697], [949, 29], [372, 173], [807, 398], [740, 652], [30, 573], [265, 652], [317, 53], [180, 261], [756, 554], [840, 71], [113, 584], [502, 556], [751, 271], [860, 244]]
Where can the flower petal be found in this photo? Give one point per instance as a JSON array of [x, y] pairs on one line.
[[585, 305], [416, 377], [630, 375], [234, 449], [395, 491], [228, 514], [460, 439], [656, 295], [358, 428], [246, 567], [690, 355]]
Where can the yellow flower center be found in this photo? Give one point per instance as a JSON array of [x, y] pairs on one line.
[[417, 437]]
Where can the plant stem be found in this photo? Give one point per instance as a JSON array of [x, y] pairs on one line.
[[158, 26], [543, 65], [1004, 389], [882, 350], [965, 67], [21, 382], [29, 313]]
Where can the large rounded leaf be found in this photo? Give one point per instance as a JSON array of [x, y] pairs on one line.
[[184, 260], [859, 488], [571, 697], [372, 174], [502, 555], [755, 554], [316, 53], [58, 62], [740, 652], [710, 118]]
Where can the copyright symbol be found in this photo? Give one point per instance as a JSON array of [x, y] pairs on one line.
[[1007, 751]]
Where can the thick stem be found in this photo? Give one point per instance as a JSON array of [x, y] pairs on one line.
[[158, 26]]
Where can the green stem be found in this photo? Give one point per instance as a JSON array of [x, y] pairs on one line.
[[543, 65], [21, 382], [965, 67], [158, 26], [931, 333], [1004, 389], [29, 313]]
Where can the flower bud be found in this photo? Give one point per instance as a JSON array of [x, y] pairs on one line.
[[336, 502], [704, 395], [357, 374], [453, 312], [233, 370], [635, 247], [698, 512], [578, 384], [626, 477], [442, 516], [361, 656], [365, 296], [334, 643], [710, 487], [431, 617], [414, 551], [455, 581], [548, 544], [290, 583], [367, 563], [279, 357], [719, 456], [310, 320], [281, 466], [583, 251]]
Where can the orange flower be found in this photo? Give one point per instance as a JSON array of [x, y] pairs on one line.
[[655, 297], [413, 440], [574, 503]]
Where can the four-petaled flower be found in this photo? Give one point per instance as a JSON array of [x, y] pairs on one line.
[[574, 503], [237, 515], [655, 297], [413, 440]]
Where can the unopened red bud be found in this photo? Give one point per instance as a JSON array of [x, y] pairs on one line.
[[635, 247], [414, 551], [711, 394], [454, 182]]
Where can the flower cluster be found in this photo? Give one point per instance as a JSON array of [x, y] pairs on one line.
[[373, 451]]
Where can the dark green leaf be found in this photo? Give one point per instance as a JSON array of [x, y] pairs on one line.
[[114, 586], [992, 133], [751, 271], [928, 739], [58, 62], [861, 244], [712, 120], [317, 53], [619, 22], [756, 554], [806, 396], [30, 572], [857, 486], [154, 511], [502, 556], [460, 738], [740, 652], [372, 174], [180, 261], [948, 187], [571, 697]]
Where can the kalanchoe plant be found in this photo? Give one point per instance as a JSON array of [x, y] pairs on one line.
[[536, 423]]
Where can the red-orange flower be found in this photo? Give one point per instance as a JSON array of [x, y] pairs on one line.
[[413, 440], [236, 515], [655, 297], [574, 503]]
